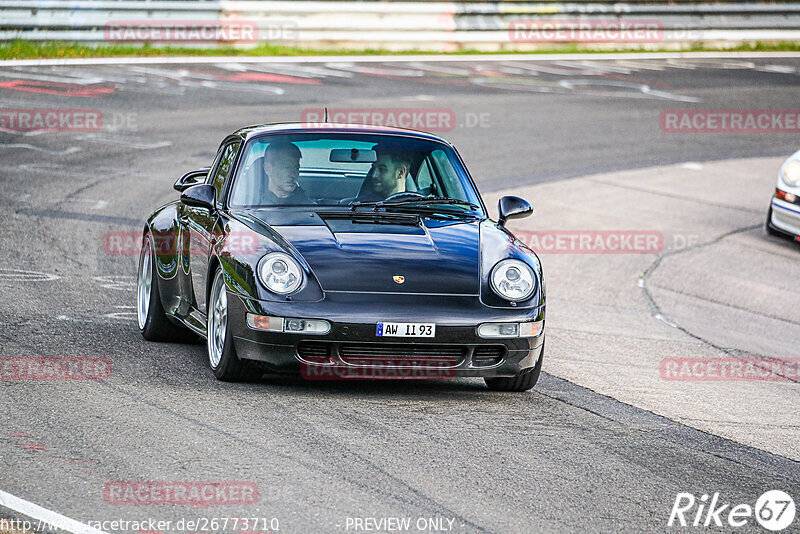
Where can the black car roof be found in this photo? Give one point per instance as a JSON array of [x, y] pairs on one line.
[[296, 127]]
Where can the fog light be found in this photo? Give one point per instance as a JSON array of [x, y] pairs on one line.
[[294, 325], [307, 326], [288, 324], [497, 330], [790, 197]]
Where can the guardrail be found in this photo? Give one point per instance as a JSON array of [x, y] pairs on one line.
[[397, 25]]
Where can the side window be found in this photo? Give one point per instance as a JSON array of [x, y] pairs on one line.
[[450, 182], [223, 167], [424, 179]]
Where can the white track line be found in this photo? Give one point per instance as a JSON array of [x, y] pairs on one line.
[[53, 519], [390, 59]]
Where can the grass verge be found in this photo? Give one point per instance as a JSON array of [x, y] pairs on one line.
[[21, 49]]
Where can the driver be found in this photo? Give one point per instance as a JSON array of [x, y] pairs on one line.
[[388, 175], [281, 170]]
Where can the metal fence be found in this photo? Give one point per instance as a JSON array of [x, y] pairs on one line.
[[396, 25]]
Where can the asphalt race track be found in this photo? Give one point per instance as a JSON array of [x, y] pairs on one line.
[[580, 453]]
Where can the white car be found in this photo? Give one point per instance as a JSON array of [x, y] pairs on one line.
[[784, 212]]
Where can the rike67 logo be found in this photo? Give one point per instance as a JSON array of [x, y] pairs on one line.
[[774, 511]]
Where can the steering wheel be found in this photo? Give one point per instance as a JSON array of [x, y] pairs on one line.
[[410, 194]]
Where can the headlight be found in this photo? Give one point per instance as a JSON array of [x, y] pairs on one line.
[[280, 273], [790, 173], [512, 280]]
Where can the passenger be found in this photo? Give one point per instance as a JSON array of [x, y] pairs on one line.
[[387, 176]]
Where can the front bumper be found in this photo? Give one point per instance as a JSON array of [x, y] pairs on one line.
[[785, 217], [352, 350]]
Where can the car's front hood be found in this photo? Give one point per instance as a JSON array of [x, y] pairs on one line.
[[437, 257]]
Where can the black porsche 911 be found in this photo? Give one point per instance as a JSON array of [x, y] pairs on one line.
[[343, 251]]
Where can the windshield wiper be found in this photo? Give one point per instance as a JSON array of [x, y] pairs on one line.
[[431, 211], [428, 201], [411, 202], [358, 204], [372, 217]]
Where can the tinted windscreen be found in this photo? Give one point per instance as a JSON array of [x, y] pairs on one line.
[[328, 169]]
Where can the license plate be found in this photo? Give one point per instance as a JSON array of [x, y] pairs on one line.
[[406, 330]]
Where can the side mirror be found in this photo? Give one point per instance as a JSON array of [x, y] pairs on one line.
[[191, 178], [200, 196], [513, 208]]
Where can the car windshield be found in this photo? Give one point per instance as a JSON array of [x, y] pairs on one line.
[[345, 169]]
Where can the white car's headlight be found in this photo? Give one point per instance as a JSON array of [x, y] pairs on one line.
[[790, 172], [280, 273], [513, 280]]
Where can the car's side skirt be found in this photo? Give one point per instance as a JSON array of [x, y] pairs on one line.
[[195, 321]]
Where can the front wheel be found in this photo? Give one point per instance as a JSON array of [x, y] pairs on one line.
[[522, 381], [222, 358]]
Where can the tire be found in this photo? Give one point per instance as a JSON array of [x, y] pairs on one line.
[[770, 230], [222, 358], [522, 381], [153, 322]]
